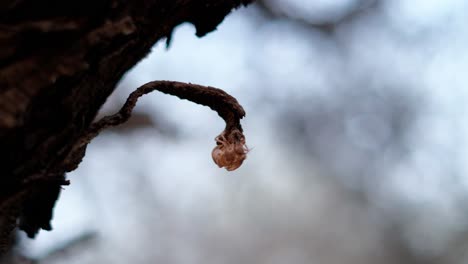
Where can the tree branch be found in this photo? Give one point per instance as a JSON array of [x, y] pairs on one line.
[[59, 61]]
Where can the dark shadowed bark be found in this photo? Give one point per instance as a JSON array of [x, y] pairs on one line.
[[59, 61]]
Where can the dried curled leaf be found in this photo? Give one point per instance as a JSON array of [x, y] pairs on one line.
[[230, 150]]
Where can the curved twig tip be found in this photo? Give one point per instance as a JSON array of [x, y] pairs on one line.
[[230, 151]]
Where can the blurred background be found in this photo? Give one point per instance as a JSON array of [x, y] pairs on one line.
[[356, 118]]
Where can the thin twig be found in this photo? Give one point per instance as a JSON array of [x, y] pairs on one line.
[[232, 146]]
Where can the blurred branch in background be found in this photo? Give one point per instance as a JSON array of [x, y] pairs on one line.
[[325, 19], [362, 129], [73, 247]]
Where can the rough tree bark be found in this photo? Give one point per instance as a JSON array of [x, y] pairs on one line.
[[59, 61]]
